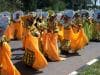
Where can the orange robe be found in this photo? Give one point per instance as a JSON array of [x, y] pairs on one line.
[[9, 32], [18, 30], [83, 37], [60, 32], [31, 43], [78, 39], [50, 47], [24, 37], [7, 67], [68, 33]]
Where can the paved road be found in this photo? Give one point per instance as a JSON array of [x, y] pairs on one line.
[[73, 62]]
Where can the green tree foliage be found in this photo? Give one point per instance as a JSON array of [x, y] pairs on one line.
[[31, 5], [10, 5], [59, 5], [44, 4]]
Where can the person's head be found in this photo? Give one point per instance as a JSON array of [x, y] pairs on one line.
[[66, 19], [77, 15], [4, 21], [17, 16], [27, 21]]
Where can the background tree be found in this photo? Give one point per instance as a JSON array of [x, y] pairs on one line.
[[31, 5], [10, 5]]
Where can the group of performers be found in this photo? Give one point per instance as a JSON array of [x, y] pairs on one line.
[[44, 37]]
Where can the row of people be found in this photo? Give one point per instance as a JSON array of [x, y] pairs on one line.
[[40, 37]]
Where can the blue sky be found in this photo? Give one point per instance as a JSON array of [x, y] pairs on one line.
[[98, 2]]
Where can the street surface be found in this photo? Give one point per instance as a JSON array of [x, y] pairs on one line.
[[72, 62]]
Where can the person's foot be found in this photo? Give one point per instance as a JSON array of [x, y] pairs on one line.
[[71, 51], [62, 59]]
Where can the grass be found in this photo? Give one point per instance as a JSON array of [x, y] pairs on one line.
[[93, 69]]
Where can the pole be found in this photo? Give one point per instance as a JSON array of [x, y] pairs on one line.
[[95, 3]]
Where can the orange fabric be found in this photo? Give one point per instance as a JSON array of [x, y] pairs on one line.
[[68, 33], [97, 27], [18, 29], [78, 38], [61, 32], [24, 37], [50, 47], [31, 43], [7, 66], [44, 40], [9, 32], [75, 28]]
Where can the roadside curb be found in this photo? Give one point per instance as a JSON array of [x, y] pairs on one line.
[[84, 66]]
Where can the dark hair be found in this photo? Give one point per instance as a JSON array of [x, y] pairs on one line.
[[77, 15], [38, 20], [29, 21], [85, 14], [17, 16], [36, 25]]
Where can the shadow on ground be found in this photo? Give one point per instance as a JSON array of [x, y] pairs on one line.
[[67, 54], [26, 70], [17, 49]]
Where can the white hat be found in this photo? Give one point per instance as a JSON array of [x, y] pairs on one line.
[[32, 13], [20, 13], [45, 14], [4, 21], [39, 12], [69, 13], [5, 13], [83, 11]]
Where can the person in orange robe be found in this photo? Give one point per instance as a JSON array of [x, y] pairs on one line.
[[18, 30], [50, 40], [32, 57], [14, 30], [6, 65], [78, 40], [65, 43], [9, 32], [74, 36], [50, 47]]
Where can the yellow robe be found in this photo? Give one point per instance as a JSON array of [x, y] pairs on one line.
[[7, 67], [50, 47], [31, 43]]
